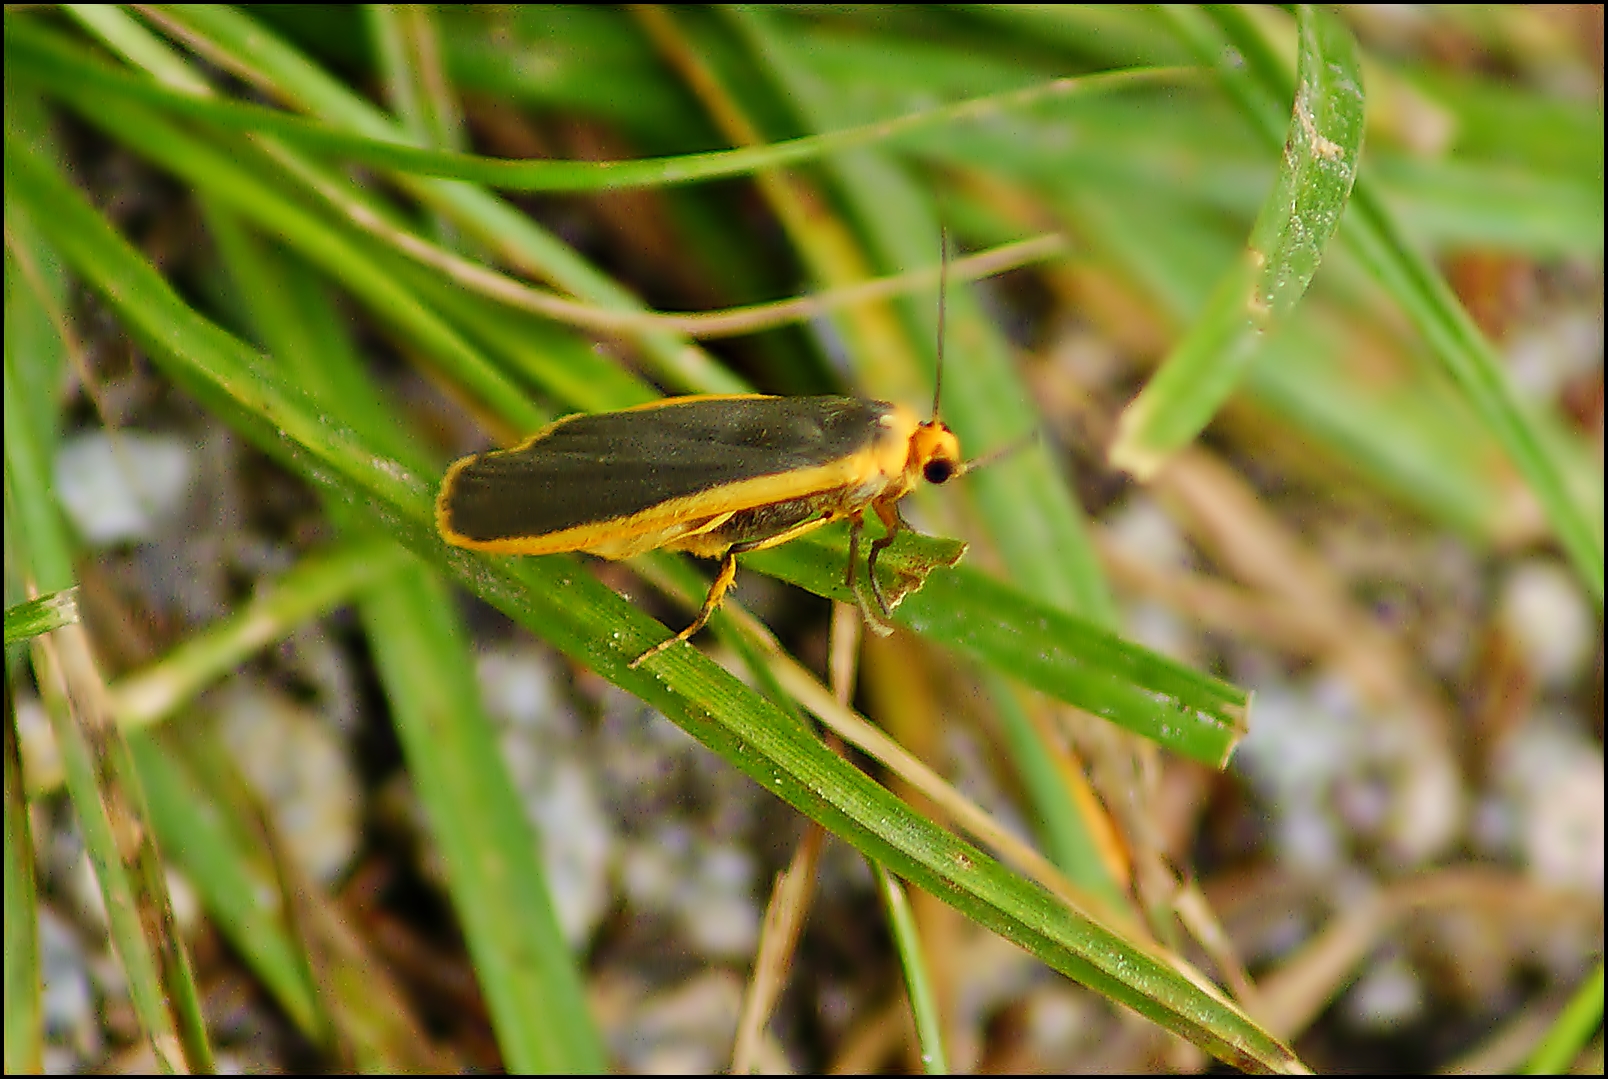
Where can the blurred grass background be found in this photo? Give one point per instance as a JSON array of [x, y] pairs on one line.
[[350, 762]]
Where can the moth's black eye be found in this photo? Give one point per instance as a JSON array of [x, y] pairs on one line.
[[938, 470]]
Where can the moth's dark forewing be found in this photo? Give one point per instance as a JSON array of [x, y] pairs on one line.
[[607, 466]]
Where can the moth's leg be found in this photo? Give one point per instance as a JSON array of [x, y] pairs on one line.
[[724, 578], [855, 529], [894, 524], [717, 589]]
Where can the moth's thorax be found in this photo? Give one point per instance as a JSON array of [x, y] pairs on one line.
[[893, 441]]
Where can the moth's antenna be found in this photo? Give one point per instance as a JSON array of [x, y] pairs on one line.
[[995, 454], [943, 303]]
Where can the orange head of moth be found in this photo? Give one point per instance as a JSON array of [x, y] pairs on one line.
[[934, 454]]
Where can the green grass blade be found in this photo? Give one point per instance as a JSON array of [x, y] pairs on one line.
[[240, 896], [923, 1001], [1477, 370], [101, 780], [1373, 236], [38, 57], [494, 872], [24, 1026], [41, 615], [1300, 215], [1581, 1019]]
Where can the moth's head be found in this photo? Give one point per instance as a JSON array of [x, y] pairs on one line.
[[935, 452]]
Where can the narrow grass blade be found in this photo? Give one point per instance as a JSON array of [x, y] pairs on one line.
[[36, 53], [41, 615], [1300, 215]]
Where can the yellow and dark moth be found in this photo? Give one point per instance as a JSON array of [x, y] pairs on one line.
[[713, 475]]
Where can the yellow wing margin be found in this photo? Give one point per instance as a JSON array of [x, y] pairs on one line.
[[691, 510]]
